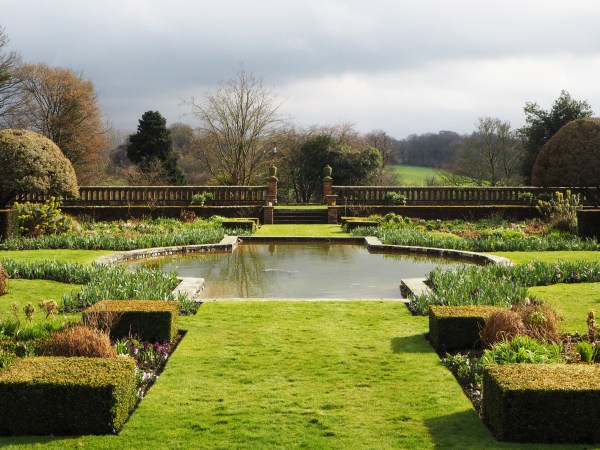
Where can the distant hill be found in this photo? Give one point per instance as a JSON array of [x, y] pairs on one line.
[[414, 175]]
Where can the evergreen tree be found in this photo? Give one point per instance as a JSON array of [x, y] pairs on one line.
[[153, 142]]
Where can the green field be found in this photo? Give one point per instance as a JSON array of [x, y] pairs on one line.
[[413, 175]]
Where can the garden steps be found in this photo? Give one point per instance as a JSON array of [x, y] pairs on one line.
[[413, 287], [300, 216], [191, 287]]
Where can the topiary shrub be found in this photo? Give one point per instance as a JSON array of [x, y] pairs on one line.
[[32, 163], [3, 280], [570, 157], [79, 341], [66, 396]]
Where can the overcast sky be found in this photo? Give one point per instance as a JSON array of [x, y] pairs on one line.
[[402, 66]]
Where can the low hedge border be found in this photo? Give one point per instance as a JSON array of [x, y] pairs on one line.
[[241, 224], [457, 327], [9, 223], [550, 403], [66, 396], [588, 223], [150, 320]]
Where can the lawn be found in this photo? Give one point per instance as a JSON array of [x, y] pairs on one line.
[[298, 375], [413, 175], [550, 256], [74, 256], [300, 230], [258, 374]]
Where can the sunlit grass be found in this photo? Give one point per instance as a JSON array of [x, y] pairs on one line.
[[323, 230], [264, 375], [22, 292], [413, 175], [572, 301], [551, 256], [74, 256]]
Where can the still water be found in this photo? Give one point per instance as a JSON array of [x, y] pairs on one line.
[[301, 270]]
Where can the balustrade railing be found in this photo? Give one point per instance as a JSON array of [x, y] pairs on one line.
[[157, 195], [451, 195]]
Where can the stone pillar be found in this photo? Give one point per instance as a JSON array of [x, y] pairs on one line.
[[332, 212], [268, 214], [271, 196], [327, 182]]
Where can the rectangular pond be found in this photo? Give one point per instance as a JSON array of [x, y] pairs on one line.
[[300, 270]]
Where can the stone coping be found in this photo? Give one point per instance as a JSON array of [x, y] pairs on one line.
[[193, 286], [229, 243]]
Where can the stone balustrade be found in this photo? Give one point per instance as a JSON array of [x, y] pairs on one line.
[[451, 195], [160, 195]]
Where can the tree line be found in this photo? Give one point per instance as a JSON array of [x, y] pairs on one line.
[[239, 131]]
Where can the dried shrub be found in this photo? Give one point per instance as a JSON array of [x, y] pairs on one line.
[[101, 318], [530, 318], [79, 340], [504, 324], [540, 319], [3, 280]]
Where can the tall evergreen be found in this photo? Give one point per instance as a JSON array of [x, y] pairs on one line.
[[153, 142]]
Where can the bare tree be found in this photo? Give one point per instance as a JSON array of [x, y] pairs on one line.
[[387, 145], [492, 153], [237, 122], [9, 91], [63, 106]]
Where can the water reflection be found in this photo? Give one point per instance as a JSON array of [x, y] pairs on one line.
[[301, 270]]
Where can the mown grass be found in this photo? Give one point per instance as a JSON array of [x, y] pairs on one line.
[[22, 292], [74, 256], [301, 230], [550, 256], [413, 175], [573, 302], [298, 375]]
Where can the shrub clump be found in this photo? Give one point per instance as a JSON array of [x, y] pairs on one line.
[[529, 318], [79, 341], [37, 219], [560, 212], [503, 324]]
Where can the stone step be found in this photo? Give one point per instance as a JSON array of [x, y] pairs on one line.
[[413, 287], [304, 216]]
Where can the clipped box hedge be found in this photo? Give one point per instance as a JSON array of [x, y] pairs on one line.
[[151, 320], [66, 396], [457, 327], [551, 403], [243, 224], [9, 223], [588, 223]]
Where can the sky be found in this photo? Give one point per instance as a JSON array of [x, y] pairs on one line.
[[405, 67]]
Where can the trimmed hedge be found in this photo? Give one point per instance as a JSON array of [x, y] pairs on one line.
[[549, 403], [243, 224], [150, 320], [457, 327], [9, 224], [66, 396], [588, 223]]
